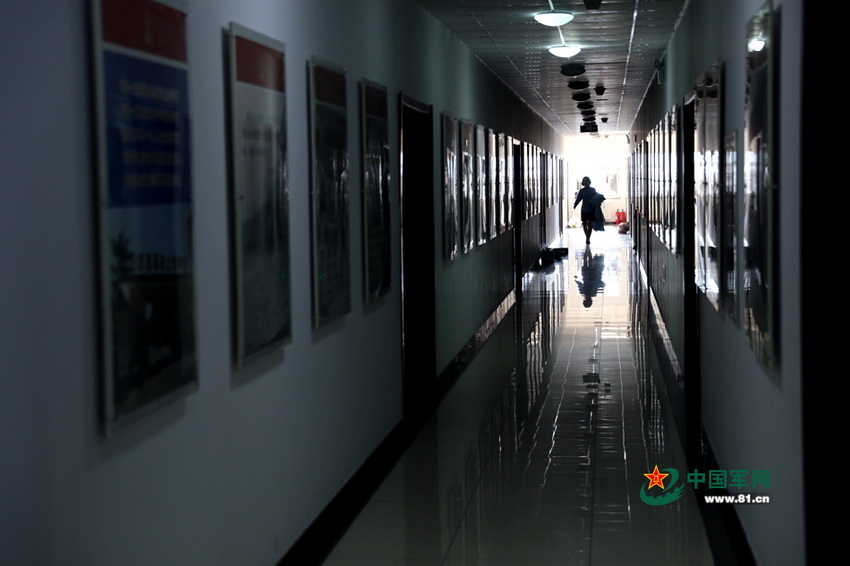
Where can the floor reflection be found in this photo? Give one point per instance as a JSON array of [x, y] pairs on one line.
[[538, 454]]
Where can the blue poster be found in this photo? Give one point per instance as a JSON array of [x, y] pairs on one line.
[[145, 206]]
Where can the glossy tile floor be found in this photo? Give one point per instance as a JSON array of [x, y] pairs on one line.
[[538, 453]]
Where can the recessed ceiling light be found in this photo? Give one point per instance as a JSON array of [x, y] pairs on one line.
[[564, 50], [554, 19]]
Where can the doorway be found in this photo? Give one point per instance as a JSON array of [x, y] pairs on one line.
[[418, 300]]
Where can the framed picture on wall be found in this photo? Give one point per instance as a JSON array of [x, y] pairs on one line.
[[377, 263], [532, 169], [329, 209], [492, 182], [508, 206], [760, 246], [730, 224], [467, 188], [657, 156], [647, 180], [537, 166], [664, 180], [259, 196], [700, 186], [643, 184], [712, 100], [544, 180], [501, 183], [528, 181], [144, 206], [483, 227], [675, 188], [451, 208]]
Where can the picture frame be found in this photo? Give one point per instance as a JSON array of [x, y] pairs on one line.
[[760, 227], [493, 183], [730, 224], [655, 179], [501, 183], [144, 207], [712, 99], [377, 248], [674, 206], [451, 208], [510, 188], [467, 188], [329, 199], [482, 185], [259, 194], [528, 181], [538, 180], [664, 180]]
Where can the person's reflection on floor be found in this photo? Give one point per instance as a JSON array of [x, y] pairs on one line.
[[591, 276]]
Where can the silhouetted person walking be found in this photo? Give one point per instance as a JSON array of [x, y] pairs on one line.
[[588, 208]]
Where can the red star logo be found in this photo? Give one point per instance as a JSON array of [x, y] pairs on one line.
[[655, 478]]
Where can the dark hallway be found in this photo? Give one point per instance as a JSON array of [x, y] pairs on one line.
[[224, 294]]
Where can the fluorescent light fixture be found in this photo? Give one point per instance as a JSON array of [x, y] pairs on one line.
[[554, 19], [564, 50]]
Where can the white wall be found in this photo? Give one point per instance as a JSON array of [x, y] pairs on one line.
[[233, 472]]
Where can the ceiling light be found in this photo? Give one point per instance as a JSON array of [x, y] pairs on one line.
[[554, 19], [564, 50]]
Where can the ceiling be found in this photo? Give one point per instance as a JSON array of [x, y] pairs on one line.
[[620, 42]]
